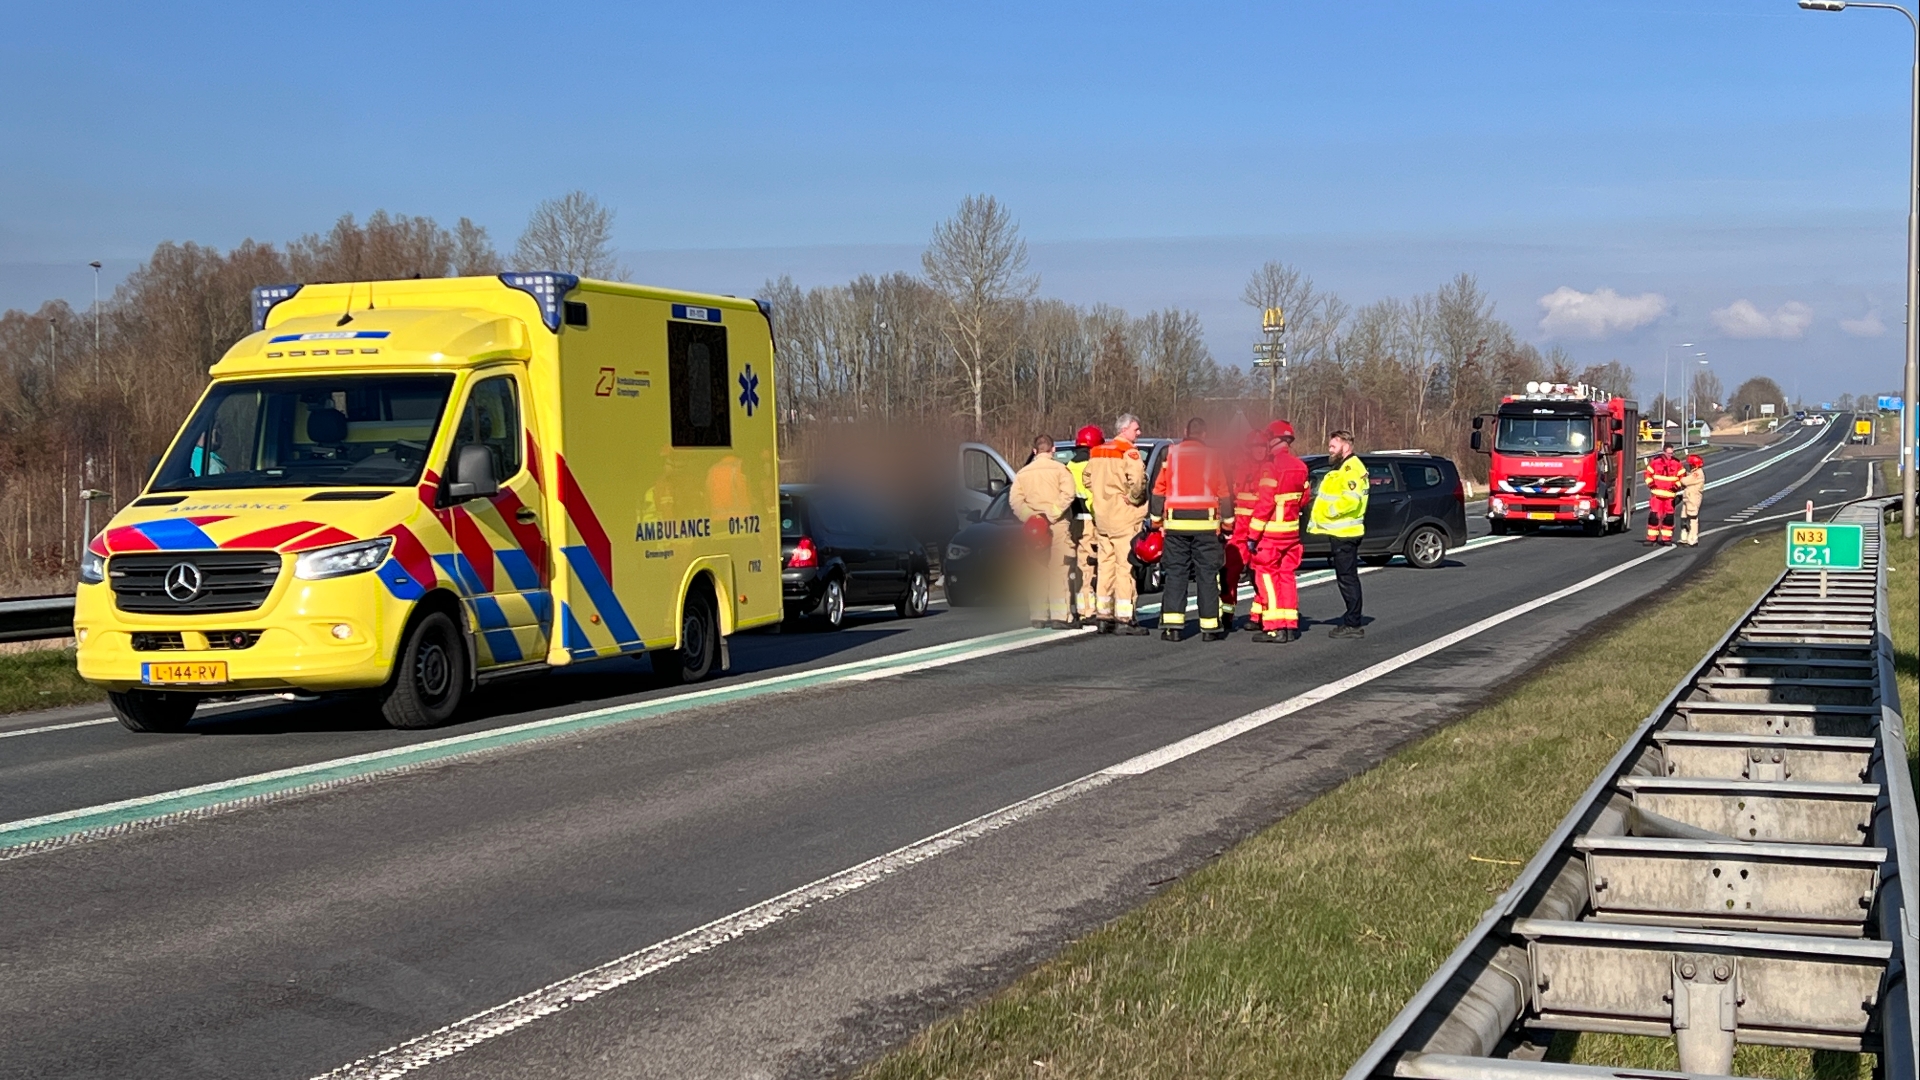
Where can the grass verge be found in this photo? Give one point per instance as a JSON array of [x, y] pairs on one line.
[[1287, 955], [42, 679]]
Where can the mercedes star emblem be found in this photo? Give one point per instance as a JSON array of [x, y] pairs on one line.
[[183, 582]]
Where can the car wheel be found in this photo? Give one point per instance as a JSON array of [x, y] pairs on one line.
[[919, 591], [832, 611], [430, 675], [1426, 548], [1381, 559], [699, 642], [153, 710]]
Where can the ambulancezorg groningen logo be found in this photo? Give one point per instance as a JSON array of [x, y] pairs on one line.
[[182, 582]]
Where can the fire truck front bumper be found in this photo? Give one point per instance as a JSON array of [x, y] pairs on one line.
[[1519, 508]]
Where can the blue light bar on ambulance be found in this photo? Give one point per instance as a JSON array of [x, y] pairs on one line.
[[265, 297], [548, 289]]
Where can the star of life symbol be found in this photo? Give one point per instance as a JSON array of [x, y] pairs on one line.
[[182, 582], [749, 390]]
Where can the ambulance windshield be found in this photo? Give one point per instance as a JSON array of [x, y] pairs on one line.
[[1544, 435], [311, 431]]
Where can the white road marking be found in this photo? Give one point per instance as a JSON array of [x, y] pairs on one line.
[[509, 1016], [56, 727]]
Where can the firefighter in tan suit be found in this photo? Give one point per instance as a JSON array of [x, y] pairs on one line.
[[1117, 486], [1043, 492], [1693, 489]]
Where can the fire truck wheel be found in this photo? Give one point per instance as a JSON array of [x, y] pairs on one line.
[[153, 710], [1595, 527], [1426, 548]]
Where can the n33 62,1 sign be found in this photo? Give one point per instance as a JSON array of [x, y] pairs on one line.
[[1823, 547]]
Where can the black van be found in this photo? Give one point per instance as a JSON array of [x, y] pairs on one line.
[[1416, 508]]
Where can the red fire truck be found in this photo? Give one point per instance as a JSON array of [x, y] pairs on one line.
[[1561, 455]]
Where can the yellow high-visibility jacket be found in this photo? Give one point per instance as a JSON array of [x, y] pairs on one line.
[[1340, 504]]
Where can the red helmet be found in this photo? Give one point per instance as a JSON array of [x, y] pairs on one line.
[[1694, 461], [1149, 545], [1039, 531], [1091, 435], [1279, 429]]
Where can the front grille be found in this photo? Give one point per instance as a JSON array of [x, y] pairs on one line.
[[229, 581], [159, 641]]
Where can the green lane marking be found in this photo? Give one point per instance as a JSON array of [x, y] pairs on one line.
[[187, 801]]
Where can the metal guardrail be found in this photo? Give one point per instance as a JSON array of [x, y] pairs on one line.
[[36, 618], [1737, 874]]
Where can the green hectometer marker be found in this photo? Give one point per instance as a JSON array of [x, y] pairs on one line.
[[1829, 546]]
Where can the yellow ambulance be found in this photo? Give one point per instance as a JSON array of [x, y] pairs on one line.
[[419, 486]]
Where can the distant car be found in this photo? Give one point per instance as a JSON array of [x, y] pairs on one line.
[[980, 562], [1416, 508], [838, 551]]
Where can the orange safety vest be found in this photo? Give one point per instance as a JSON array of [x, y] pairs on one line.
[[1191, 490]]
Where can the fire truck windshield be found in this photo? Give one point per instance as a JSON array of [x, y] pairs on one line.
[[1544, 435]]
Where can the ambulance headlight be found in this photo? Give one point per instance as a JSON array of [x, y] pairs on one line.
[[93, 568], [342, 559]]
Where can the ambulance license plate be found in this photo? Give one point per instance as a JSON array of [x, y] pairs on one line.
[[203, 672], [1540, 516]]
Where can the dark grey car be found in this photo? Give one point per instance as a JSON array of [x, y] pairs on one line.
[[1416, 508]]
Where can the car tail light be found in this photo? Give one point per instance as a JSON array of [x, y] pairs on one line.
[[803, 554], [1460, 492]]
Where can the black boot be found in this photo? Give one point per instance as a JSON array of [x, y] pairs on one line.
[[1213, 635], [1265, 637], [1132, 629], [1106, 627], [1168, 633]]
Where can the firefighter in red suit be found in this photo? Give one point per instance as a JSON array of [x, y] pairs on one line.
[[1245, 478], [1275, 529], [1663, 486]]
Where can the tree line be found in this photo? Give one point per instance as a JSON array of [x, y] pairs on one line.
[[966, 348]]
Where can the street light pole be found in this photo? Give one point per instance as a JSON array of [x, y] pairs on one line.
[[1666, 404], [96, 317], [1912, 379]]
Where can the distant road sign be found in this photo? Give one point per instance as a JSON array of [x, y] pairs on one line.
[[1891, 403], [1766, 410], [1831, 546]]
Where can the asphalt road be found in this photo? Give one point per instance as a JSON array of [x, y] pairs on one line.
[[286, 927]]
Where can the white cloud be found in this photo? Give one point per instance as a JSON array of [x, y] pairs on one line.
[[1741, 319], [1598, 314], [1868, 325]]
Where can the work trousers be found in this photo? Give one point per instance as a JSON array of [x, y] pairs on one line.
[[1086, 561], [1345, 557], [1690, 527], [1048, 588], [1195, 557], [1237, 564], [1113, 578], [1276, 594], [1659, 521]]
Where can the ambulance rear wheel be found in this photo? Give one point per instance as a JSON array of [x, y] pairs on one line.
[[153, 710], [699, 643], [430, 675]]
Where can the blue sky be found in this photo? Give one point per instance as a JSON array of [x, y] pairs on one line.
[[1685, 155]]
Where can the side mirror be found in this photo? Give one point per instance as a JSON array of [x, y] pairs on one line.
[[473, 475], [1619, 443], [1473, 440], [995, 486], [1477, 421], [975, 515]]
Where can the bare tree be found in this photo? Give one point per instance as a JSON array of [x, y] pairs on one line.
[[1314, 318], [473, 252], [572, 234], [978, 264]]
